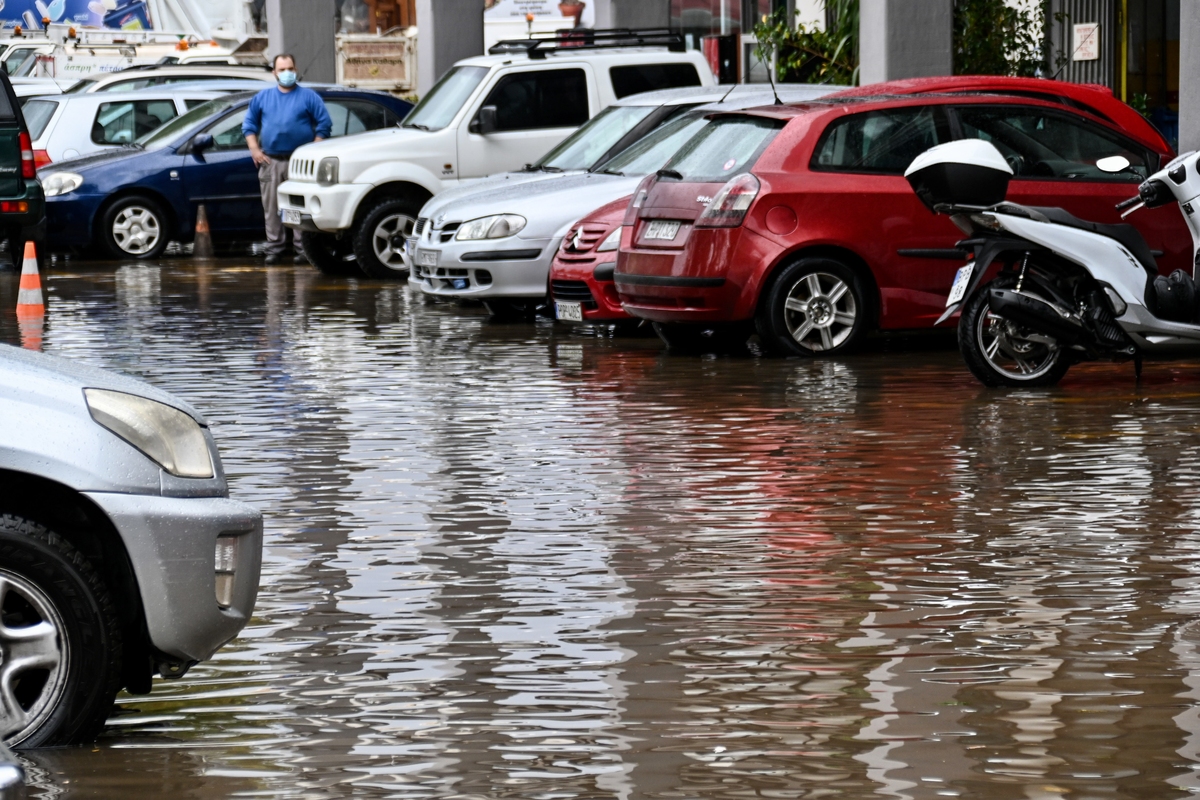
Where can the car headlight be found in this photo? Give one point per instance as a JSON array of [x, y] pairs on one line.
[[496, 226], [171, 438], [327, 171], [61, 183], [612, 242]]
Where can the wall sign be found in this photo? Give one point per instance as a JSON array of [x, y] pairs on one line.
[[1085, 44]]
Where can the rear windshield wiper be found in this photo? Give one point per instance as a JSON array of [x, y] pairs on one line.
[[669, 173]]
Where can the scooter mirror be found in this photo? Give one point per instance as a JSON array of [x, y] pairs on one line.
[[1113, 164]]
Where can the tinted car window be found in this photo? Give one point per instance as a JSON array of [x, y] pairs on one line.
[[724, 148], [227, 133], [438, 108], [880, 141], [581, 149], [355, 116], [17, 59], [122, 123], [192, 102], [1042, 143], [167, 133], [652, 151], [636, 78], [526, 101], [37, 116]]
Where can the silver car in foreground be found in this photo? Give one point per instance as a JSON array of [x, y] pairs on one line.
[[121, 554]]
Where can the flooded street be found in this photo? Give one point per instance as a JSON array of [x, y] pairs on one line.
[[525, 561]]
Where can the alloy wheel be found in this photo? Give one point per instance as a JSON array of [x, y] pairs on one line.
[[1012, 351], [820, 311], [388, 241], [136, 230], [33, 657]]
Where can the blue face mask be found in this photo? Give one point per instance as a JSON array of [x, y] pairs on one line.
[[287, 78]]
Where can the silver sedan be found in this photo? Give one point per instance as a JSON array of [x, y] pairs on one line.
[[121, 554]]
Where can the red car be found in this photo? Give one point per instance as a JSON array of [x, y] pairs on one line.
[[581, 275], [798, 218]]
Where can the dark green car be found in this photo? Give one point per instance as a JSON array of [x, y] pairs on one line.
[[22, 204]]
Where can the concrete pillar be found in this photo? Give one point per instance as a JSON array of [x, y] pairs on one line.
[[639, 14], [905, 39], [447, 31], [306, 29], [1189, 75]]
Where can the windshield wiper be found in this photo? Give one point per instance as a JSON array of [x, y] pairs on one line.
[[418, 126], [548, 168], [606, 171], [669, 173]]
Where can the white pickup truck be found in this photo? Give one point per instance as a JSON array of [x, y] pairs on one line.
[[356, 200]]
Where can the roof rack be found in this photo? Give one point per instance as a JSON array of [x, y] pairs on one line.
[[577, 38]]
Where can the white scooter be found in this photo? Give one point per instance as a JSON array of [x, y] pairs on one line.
[[1068, 290]]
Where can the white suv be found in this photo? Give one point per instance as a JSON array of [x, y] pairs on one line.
[[356, 200]]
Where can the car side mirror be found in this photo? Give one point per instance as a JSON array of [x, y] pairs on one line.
[[202, 142], [485, 121]]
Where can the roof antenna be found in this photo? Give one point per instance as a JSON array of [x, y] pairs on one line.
[[726, 95]]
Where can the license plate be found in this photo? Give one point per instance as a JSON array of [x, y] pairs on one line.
[[428, 258], [570, 312], [960, 284], [664, 230], [291, 216]]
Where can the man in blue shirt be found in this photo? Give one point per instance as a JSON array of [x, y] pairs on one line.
[[279, 120]]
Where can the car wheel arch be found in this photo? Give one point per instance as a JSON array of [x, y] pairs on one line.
[[836, 253], [85, 526], [386, 191]]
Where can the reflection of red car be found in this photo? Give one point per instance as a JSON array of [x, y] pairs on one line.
[[581, 276], [799, 219]]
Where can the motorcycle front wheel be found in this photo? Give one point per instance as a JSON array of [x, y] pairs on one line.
[[999, 352]]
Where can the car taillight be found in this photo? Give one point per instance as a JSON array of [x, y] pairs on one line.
[[639, 199], [728, 207], [28, 168], [41, 158]]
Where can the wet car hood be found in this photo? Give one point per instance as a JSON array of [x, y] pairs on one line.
[[503, 180], [28, 373], [549, 206]]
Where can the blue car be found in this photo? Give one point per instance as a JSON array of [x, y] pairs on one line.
[[130, 203]]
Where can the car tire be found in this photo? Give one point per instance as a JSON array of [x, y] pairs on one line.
[[815, 307], [987, 344], [378, 239], [134, 227], [60, 666], [331, 254], [696, 338]]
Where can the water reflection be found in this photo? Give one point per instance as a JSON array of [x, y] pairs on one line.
[[522, 561]]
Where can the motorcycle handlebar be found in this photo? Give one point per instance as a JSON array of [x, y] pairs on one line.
[[1130, 202]]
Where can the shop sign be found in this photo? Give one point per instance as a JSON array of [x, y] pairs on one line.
[[1086, 44]]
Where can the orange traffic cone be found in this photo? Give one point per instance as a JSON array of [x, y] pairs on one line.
[[203, 244], [31, 307]]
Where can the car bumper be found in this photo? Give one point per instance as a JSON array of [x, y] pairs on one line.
[[32, 219], [588, 282], [172, 544], [326, 209], [700, 282], [518, 268], [71, 216]]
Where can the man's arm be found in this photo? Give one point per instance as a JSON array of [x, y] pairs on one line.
[[323, 123], [250, 128]]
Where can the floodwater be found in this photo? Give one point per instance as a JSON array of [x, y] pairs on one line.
[[523, 561]]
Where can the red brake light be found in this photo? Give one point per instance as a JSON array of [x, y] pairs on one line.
[[28, 170], [41, 158], [639, 198], [728, 207]]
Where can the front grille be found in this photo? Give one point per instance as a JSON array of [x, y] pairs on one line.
[[302, 169], [448, 231], [420, 227], [571, 291]]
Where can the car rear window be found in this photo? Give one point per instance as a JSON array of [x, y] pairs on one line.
[[638, 78], [881, 141], [37, 115], [724, 148]]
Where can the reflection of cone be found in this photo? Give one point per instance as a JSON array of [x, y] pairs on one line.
[[31, 308], [203, 247]]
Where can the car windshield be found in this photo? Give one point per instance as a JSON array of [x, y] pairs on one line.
[[163, 136], [81, 86], [725, 148], [37, 115], [652, 151], [583, 148], [438, 108]]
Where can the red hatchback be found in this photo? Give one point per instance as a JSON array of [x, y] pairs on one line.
[[798, 218], [581, 275]]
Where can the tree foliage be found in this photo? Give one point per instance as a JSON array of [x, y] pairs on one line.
[[994, 38], [807, 54]]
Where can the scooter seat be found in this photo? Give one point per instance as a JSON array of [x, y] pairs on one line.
[[1124, 233]]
